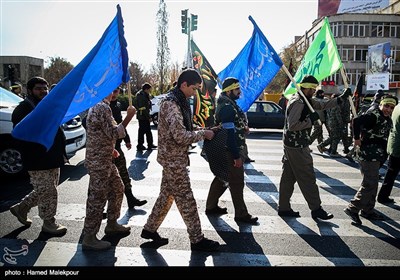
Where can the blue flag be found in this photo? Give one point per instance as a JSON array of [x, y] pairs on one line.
[[255, 67], [103, 69]]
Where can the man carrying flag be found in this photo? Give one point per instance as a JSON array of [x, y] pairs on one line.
[[43, 166], [297, 160]]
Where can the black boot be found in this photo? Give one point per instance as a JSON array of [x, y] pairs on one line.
[[133, 201]]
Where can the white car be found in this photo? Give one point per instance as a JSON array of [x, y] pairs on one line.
[[10, 157], [155, 107]]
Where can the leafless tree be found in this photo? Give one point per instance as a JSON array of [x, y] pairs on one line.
[[163, 52]]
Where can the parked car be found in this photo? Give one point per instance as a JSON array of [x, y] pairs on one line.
[[11, 162], [155, 107], [266, 114]]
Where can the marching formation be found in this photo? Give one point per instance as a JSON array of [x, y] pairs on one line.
[[224, 149]]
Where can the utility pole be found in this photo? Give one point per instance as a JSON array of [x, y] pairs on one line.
[[188, 24]]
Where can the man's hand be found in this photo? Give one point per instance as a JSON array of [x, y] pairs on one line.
[[130, 111], [208, 134], [128, 145], [115, 154], [238, 162]]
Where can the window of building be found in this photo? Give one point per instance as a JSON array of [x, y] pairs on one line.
[[350, 30], [361, 30], [347, 53], [335, 27], [377, 30], [361, 53]]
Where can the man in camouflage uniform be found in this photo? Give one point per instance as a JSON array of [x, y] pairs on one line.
[[175, 134], [105, 184], [229, 115], [297, 160], [371, 131], [317, 133], [120, 161], [43, 166], [334, 121]]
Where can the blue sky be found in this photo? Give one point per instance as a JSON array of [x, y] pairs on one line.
[[70, 29]]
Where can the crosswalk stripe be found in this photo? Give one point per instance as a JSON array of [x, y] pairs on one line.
[[64, 254]]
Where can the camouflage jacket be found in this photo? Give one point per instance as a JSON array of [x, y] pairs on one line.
[[173, 137], [373, 129], [102, 133], [296, 132], [239, 120]]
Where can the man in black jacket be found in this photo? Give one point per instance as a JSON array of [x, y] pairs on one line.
[[43, 166], [143, 107]]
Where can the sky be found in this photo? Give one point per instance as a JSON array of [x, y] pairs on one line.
[[70, 29]]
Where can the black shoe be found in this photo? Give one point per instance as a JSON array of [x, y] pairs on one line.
[[132, 200], [355, 219], [373, 216], [140, 148], [136, 202], [154, 236], [205, 245], [289, 213], [385, 200], [247, 219], [321, 214], [151, 147], [216, 211]]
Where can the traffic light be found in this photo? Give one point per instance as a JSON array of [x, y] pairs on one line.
[[184, 21], [193, 23]]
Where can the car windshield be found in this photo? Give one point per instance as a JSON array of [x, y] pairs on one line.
[[8, 99]]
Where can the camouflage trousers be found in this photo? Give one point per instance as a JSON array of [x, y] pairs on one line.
[[175, 186], [104, 186], [44, 194], [365, 196], [120, 163]]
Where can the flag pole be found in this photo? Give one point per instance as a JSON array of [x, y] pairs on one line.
[[129, 93], [299, 91], [346, 84]]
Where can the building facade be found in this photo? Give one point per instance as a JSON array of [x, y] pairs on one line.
[[19, 69]]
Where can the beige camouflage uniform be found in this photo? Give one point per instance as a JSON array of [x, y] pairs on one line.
[[105, 183], [44, 194], [173, 144]]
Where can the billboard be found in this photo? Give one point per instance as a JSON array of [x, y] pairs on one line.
[[378, 68], [331, 7]]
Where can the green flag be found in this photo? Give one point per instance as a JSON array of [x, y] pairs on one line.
[[321, 59]]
